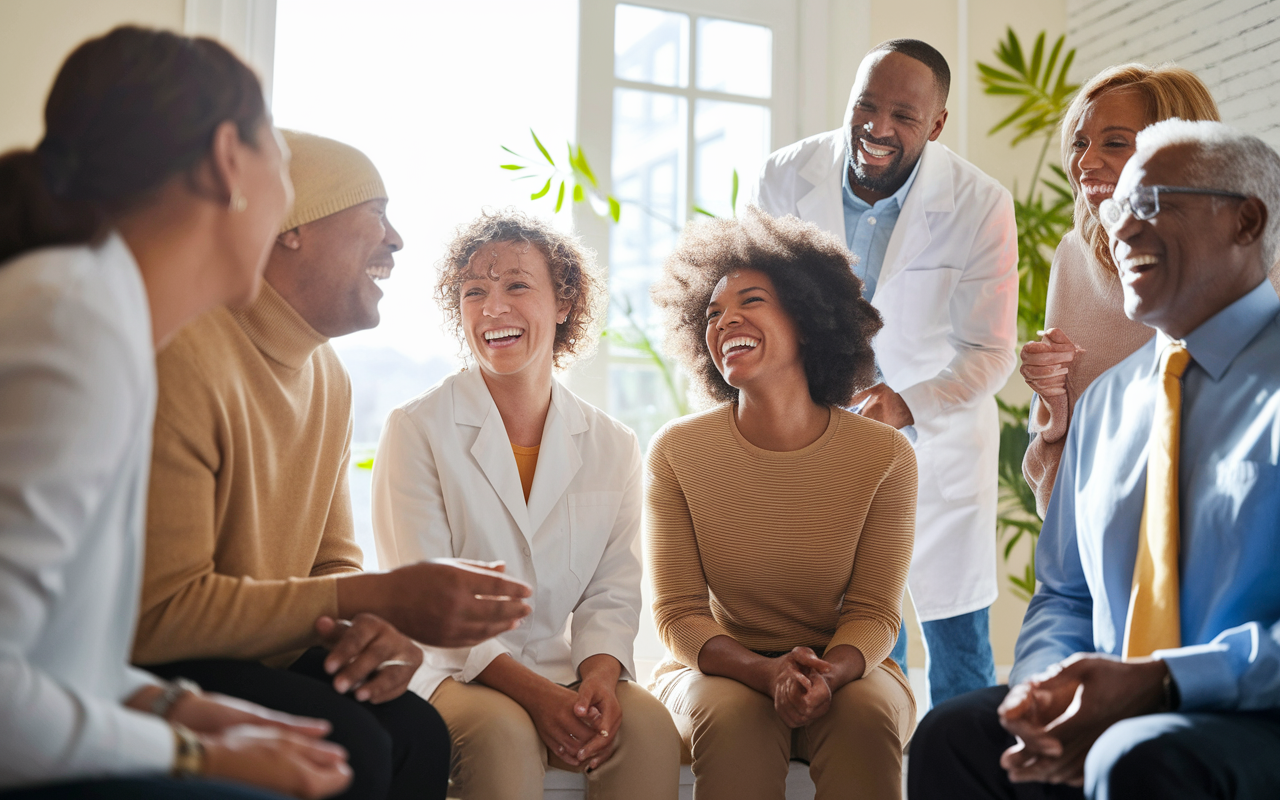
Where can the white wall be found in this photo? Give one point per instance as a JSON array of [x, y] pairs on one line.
[[1233, 45], [37, 35]]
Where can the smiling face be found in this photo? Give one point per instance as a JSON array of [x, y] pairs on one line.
[[331, 280], [895, 108], [510, 310], [750, 335], [1177, 268], [1104, 141]]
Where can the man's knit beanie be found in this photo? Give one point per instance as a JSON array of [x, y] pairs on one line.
[[328, 177]]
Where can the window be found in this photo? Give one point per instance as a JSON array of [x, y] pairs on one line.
[[692, 95]]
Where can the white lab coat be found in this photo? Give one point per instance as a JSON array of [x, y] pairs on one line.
[[445, 484], [948, 292]]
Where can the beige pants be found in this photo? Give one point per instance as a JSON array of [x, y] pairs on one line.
[[498, 755], [741, 747]]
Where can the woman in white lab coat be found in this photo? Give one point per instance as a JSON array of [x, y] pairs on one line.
[[501, 463]]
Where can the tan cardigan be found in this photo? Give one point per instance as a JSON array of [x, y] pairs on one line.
[[1088, 306], [249, 514], [778, 550]]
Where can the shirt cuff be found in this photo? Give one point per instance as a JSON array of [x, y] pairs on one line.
[[480, 657], [1205, 678]]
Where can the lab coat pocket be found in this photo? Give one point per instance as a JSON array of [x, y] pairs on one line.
[[591, 519]]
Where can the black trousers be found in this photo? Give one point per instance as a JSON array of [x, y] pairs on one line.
[[955, 753], [141, 789], [399, 749]]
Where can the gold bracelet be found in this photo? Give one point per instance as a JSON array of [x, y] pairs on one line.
[[188, 753]]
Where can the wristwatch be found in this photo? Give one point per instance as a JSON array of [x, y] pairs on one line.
[[174, 691], [188, 753]]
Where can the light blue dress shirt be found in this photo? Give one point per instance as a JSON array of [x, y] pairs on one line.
[[1229, 497], [867, 228]]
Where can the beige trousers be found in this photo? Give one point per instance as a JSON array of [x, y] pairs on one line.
[[742, 748], [498, 755]]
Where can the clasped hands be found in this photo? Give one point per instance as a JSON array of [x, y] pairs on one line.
[[801, 686], [1059, 714]]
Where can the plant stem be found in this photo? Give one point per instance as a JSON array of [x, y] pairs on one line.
[[1035, 175]]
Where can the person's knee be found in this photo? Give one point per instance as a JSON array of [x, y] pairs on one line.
[[1142, 757], [646, 724], [959, 721], [726, 714], [370, 750]]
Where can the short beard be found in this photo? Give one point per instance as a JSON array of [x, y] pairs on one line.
[[889, 181]]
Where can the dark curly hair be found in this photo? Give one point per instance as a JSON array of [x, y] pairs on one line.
[[573, 274], [810, 270]]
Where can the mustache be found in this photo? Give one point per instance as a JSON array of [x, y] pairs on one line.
[[891, 141]]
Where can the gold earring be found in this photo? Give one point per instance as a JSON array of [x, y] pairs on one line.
[[238, 201]]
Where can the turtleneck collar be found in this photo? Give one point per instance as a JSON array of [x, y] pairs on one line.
[[277, 329]]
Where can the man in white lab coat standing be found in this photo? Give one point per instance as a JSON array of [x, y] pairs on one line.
[[937, 251]]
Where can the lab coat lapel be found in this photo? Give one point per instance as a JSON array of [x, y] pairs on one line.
[[474, 406], [824, 205], [558, 456], [931, 193]]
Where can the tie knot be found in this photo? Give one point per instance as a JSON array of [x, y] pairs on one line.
[[1174, 359]]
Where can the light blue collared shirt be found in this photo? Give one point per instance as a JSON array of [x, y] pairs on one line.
[[1229, 499], [867, 227]]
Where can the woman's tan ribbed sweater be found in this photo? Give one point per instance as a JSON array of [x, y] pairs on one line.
[[249, 514], [778, 550]]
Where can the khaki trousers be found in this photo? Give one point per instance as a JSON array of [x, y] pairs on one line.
[[742, 748], [498, 755]]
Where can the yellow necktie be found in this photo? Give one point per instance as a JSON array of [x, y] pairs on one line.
[[1154, 622]]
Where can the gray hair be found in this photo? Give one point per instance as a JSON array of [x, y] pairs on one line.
[[1226, 159]]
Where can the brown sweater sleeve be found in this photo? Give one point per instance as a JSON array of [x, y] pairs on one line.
[[681, 600], [872, 610], [188, 609]]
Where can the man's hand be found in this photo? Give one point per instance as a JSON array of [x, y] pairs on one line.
[[445, 602], [883, 405], [1057, 716], [369, 655], [553, 711], [800, 690], [597, 705], [277, 760]]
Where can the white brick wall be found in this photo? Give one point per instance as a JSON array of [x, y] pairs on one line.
[[1233, 45]]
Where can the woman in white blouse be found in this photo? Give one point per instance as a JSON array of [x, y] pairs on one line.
[[502, 463], [155, 195]]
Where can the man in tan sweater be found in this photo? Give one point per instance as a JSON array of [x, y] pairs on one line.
[[253, 584]]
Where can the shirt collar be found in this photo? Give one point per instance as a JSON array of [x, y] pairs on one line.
[[1217, 342], [898, 197]]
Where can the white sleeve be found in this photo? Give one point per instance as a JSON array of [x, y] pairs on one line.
[[68, 404], [410, 523], [607, 617], [983, 311]]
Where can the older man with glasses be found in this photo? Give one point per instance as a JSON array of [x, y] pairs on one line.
[[1149, 660]]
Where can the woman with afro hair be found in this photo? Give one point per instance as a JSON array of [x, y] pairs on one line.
[[779, 526]]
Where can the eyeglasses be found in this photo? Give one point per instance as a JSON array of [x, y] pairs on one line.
[[1144, 202]]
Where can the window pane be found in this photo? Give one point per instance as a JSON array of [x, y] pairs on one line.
[[651, 46], [649, 163], [728, 136], [735, 57]]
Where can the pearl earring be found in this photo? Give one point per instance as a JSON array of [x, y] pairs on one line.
[[238, 201]]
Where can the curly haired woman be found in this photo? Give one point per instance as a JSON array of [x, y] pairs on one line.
[[779, 525], [501, 463]]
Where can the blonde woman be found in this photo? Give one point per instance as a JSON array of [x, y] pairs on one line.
[[501, 463], [1086, 330]]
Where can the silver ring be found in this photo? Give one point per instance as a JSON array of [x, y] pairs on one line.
[[392, 662]]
